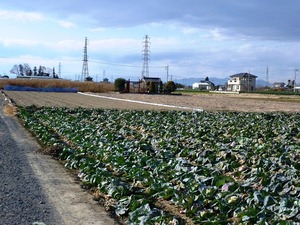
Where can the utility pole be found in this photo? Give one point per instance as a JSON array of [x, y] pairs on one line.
[[59, 70], [146, 56], [248, 81], [167, 69], [267, 74], [85, 69], [295, 78]]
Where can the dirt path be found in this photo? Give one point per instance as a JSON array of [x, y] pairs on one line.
[[37, 188]]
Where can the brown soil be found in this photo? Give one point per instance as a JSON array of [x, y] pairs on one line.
[[210, 102]]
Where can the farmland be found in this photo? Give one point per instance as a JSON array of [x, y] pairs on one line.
[[176, 167], [210, 102], [213, 167]]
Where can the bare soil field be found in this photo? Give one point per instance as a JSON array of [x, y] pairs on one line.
[[205, 101]]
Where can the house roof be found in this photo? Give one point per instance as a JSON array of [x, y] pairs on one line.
[[151, 79], [202, 84], [243, 75]]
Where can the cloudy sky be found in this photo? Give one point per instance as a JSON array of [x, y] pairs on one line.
[[196, 38]]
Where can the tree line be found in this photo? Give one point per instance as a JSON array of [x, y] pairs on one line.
[[25, 70]]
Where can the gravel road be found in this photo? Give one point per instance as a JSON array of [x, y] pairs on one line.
[[22, 200], [36, 189]]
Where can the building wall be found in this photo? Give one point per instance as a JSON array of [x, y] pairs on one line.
[[241, 84], [144, 87], [201, 86]]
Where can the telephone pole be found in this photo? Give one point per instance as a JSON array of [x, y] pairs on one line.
[[167, 69], [146, 56], [59, 70], [296, 70], [267, 74], [85, 69]]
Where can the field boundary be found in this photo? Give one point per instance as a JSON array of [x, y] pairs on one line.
[[142, 102]]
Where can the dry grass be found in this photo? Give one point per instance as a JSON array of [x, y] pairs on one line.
[[10, 110], [41, 83]]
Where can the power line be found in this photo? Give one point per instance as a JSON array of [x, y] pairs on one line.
[[78, 60], [122, 65]]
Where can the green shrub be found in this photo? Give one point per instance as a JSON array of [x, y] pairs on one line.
[[120, 84], [170, 87], [151, 87]]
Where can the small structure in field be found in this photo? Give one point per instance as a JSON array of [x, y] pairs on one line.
[[279, 85], [88, 78], [206, 85], [150, 85], [242, 82]]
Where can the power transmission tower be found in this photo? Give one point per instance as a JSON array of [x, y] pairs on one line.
[[85, 68], [146, 56]]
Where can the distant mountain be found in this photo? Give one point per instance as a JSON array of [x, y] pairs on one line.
[[190, 81], [216, 81], [263, 83]]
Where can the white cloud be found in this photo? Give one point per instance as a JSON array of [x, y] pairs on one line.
[[164, 43], [98, 29], [20, 16], [114, 44], [217, 34], [19, 42], [190, 30], [67, 24], [67, 45]]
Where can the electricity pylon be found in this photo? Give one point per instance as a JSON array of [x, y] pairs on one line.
[[146, 56], [85, 68]]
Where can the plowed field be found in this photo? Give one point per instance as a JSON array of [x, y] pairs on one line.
[[211, 102]]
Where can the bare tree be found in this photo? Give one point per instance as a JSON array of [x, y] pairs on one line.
[[53, 73], [48, 71], [21, 70], [42, 70], [34, 71], [27, 69], [15, 70]]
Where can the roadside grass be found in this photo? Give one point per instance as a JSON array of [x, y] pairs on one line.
[[59, 83], [10, 110]]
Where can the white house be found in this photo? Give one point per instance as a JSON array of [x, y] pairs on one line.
[[297, 88], [279, 85], [242, 82], [203, 85]]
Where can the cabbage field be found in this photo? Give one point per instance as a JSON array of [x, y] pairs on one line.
[[207, 167]]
